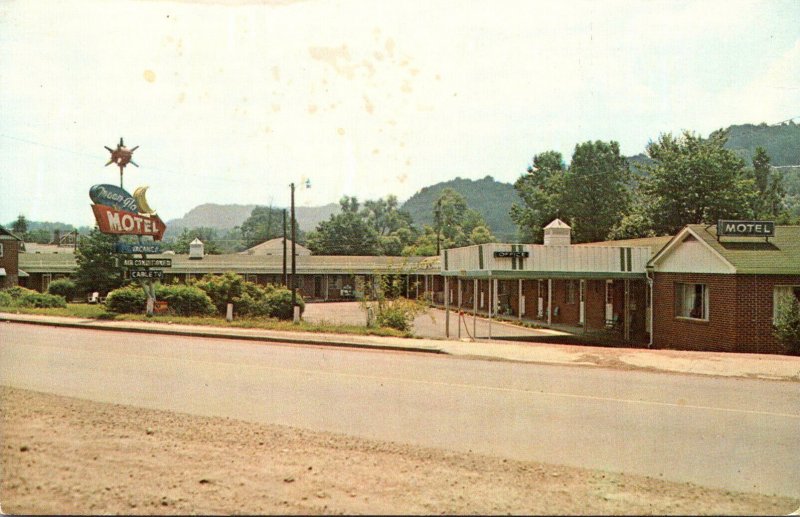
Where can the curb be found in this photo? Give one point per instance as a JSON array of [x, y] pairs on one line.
[[241, 337]]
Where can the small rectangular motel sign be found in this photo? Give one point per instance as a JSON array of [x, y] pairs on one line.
[[745, 228], [147, 273]]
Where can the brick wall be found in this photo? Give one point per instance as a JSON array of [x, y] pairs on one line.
[[755, 309], [595, 304], [740, 313], [10, 262], [568, 313]]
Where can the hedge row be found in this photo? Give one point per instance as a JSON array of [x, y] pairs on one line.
[[211, 294], [22, 297]]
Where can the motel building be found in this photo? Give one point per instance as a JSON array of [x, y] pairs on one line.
[[696, 290]]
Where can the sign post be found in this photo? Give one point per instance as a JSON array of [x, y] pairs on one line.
[[119, 213]]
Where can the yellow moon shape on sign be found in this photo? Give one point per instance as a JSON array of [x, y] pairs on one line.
[[141, 200]]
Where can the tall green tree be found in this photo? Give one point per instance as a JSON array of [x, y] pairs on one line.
[[345, 233], [769, 201], [595, 194], [694, 180], [263, 224], [540, 190], [455, 225], [393, 225], [97, 269], [20, 226]]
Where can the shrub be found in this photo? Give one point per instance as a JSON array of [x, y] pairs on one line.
[[17, 292], [279, 300], [22, 297], [129, 299], [786, 326], [222, 289], [398, 314], [185, 300], [248, 298], [41, 300], [63, 287]]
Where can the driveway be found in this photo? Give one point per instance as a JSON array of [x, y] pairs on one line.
[[429, 325]]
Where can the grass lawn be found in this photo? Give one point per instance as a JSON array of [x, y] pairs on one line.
[[98, 311]]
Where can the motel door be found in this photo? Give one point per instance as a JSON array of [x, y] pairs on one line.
[[582, 313], [318, 287], [609, 301]]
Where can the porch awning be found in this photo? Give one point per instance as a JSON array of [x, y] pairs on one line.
[[23, 274], [2, 271]]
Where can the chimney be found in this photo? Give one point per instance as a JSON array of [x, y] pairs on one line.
[[557, 233], [196, 249]]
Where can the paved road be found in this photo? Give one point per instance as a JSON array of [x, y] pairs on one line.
[[733, 433]]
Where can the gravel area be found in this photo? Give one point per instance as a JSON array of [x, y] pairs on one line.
[[65, 455]]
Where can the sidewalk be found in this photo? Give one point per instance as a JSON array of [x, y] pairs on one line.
[[760, 366]]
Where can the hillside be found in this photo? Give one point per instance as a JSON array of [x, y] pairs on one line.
[[226, 217], [782, 142], [491, 198]]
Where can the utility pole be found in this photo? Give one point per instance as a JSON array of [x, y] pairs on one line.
[[294, 271], [438, 225], [285, 280]]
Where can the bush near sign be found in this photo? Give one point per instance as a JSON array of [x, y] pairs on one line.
[[745, 228]]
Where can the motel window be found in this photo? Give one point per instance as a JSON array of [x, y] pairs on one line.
[[46, 279], [1, 249], [691, 301], [783, 294], [569, 293]]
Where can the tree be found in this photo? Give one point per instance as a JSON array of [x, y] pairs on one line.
[[393, 226], [455, 225], [263, 224], [694, 180], [540, 191], [95, 257], [786, 327], [346, 233], [595, 195], [385, 215], [769, 201], [20, 226]]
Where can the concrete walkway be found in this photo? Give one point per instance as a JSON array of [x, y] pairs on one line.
[[777, 367]]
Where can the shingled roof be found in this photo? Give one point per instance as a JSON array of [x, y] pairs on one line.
[[780, 255]]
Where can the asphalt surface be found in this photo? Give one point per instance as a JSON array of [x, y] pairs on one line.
[[732, 433], [432, 324]]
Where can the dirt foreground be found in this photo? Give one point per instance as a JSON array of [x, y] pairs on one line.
[[65, 455]]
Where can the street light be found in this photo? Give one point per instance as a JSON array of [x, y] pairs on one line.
[[295, 309]]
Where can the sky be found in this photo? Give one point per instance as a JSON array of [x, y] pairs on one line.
[[230, 102]]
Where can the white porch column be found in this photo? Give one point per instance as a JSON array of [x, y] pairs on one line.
[[627, 311], [459, 307], [474, 307], [495, 301], [446, 308]]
